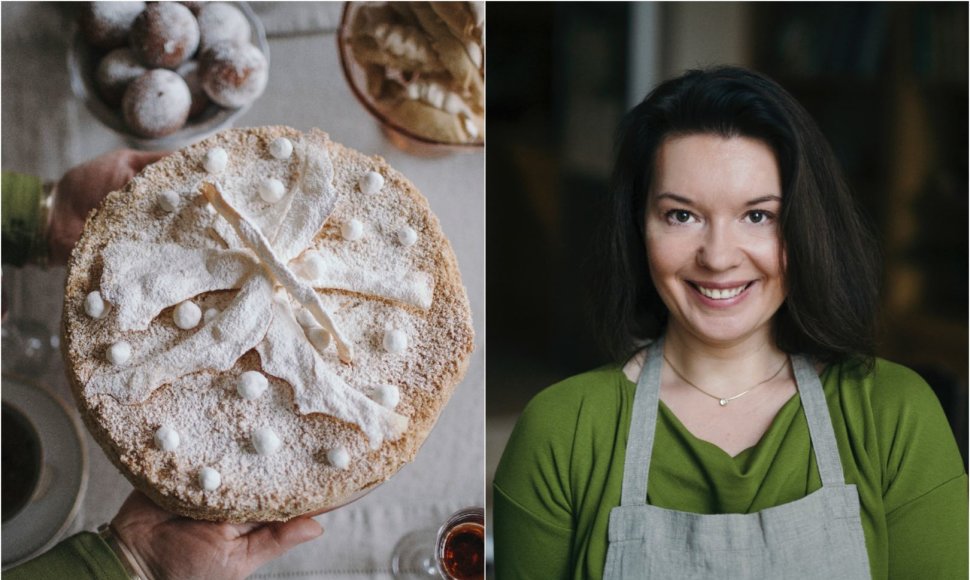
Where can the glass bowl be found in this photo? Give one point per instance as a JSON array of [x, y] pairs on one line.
[[399, 136], [82, 61]]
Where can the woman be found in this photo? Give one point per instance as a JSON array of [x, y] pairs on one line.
[[748, 431]]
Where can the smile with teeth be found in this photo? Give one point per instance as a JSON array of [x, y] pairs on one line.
[[720, 293]]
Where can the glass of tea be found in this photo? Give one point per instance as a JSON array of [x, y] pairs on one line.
[[455, 551]]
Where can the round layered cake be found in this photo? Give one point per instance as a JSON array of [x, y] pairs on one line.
[[264, 324]]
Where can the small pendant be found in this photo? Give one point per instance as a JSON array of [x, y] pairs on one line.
[[723, 402]]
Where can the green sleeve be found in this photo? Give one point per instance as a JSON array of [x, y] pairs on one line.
[[526, 546], [81, 557], [22, 213], [532, 513], [925, 486]]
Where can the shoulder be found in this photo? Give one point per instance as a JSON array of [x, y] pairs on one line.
[[591, 399], [546, 430], [889, 390], [890, 410], [599, 388]]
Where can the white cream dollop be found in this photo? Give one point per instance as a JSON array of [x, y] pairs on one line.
[[352, 230], [187, 315], [167, 438], [266, 441], [312, 265], [209, 314], [386, 396], [281, 148], [251, 385], [168, 200], [209, 479], [216, 160], [271, 190], [371, 182], [339, 457], [407, 236], [119, 353], [395, 341], [94, 305], [318, 337]]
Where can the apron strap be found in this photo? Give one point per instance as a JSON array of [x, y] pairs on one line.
[[819, 422], [643, 427]]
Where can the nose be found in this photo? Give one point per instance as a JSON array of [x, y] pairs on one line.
[[720, 250]]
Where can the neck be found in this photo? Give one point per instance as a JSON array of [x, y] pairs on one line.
[[720, 368]]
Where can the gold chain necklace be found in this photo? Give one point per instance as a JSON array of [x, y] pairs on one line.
[[725, 400]]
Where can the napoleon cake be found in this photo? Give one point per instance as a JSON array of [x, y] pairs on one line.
[[263, 324]]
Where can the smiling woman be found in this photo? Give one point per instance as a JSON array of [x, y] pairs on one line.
[[746, 429]]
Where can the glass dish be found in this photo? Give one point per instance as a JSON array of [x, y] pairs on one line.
[[82, 62], [399, 136]]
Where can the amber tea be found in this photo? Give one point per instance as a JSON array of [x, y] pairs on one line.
[[464, 552], [461, 546]]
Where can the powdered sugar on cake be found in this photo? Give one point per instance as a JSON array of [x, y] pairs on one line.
[[143, 278]]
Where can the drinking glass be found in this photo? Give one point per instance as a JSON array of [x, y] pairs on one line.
[[28, 346], [455, 551]]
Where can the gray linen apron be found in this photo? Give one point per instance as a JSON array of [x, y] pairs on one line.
[[819, 536]]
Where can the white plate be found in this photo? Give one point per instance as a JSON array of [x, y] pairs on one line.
[[42, 522]]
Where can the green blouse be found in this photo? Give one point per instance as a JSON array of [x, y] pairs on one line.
[[562, 470], [83, 556], [22, 212]]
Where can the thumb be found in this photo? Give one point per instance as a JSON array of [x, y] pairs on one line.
[[273, 540], [139, 159]]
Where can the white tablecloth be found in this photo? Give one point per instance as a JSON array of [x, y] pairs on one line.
[[46, 131]]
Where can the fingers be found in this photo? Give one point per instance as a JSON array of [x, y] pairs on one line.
[[273, 540], [139, 159], [138, 507], [244, 529]]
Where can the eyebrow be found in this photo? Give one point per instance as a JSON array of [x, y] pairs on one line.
[[686, 201]]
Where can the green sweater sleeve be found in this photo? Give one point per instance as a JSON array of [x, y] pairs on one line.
[[526, 546], [83, 556], [532, 513], [22, 212], [924, 484]]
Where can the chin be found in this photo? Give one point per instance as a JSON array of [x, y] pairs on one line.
[[727, 333]]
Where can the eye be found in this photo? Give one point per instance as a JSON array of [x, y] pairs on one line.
[[678, 216], [758, 216]]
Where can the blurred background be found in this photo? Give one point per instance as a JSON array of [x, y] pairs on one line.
[[887, 83]]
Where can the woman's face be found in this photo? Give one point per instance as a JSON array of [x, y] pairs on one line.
[[713, 242]]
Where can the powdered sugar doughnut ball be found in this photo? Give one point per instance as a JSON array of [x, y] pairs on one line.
[[219, 21], [115, 72], [107, 24], [195, 7], [165, 35], [156, 103], [189, 71], [233, 74]]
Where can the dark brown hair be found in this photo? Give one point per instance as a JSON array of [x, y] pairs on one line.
[[832, 273]]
